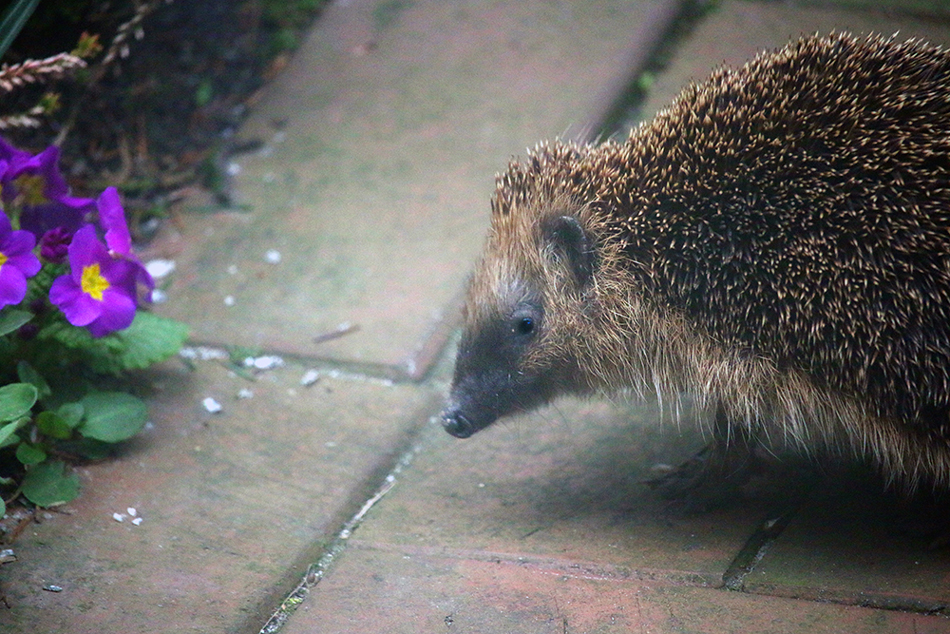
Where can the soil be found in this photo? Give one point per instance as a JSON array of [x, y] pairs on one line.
[[160, 116]]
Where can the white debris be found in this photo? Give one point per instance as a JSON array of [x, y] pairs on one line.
[[233, 169], [232, 269], [229, 300], [7, 556], [265, 362], [119, 517], [137, 521], [131, 511], [53, 588], [272, 256], [211, 405], [309, 378], [159, 268], [159, 296], [245, 393], [203, 353]]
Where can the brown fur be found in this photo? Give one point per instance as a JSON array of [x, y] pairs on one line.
[[776, 243]]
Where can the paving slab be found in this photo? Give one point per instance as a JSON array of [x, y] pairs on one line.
[[233, 505], [381, 140], [561, 491], [852, 546], [566, 484], [409, 592]]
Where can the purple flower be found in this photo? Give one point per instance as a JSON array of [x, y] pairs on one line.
[[118, 239], [33, 186], [54, 245], [17, 262], [96, 292], [11, 154], [112, 219]]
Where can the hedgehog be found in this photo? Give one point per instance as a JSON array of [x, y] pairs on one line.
[[774, 244]]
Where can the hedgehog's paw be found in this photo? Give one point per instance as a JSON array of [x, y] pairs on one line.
[[708, 480], [725, 472], [712, 478]]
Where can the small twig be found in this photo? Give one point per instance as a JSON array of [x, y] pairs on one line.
[[343, 329], [12, 536]]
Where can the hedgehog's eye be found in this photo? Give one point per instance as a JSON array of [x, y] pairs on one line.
[[524, 326], [525, 322]]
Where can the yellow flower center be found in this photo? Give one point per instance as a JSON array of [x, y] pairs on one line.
[[93, 284], [30, 188], [3, 259]]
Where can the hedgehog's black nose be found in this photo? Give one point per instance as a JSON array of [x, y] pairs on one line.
[[457, 425]]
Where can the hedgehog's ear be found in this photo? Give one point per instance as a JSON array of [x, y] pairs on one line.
[[571, 243]]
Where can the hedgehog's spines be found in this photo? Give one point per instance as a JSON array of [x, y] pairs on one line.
[[734, 233]]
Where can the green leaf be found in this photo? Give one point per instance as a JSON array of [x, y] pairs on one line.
[[13, 20], [204, 93], [16, 399], [147, 341], [47, 484], [71, 414], [11, 319], [3, 508], [28, 374], [112, 416], [150, 339], [30, 454], [52, 424], [6, 433], [88, 448]]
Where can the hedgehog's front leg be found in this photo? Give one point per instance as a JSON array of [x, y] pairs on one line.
[[715, 475]]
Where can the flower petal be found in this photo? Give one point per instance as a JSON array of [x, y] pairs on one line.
[[118, 311], [84, 250], [78, 307], [12, 285], [13, 155], [27, 262], [17, 249], [46, 165], [54, 245], [17, 243], [112, 219]]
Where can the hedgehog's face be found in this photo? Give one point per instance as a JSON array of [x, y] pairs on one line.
[[490, 376], [512, 356]]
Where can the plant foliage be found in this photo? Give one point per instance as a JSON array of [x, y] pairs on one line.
[[71, 322]]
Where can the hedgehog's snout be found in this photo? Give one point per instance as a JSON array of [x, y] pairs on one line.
[[457, 424]]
